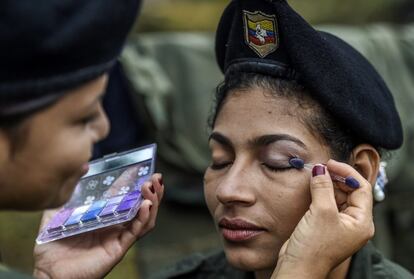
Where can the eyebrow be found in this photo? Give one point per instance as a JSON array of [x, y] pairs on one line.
[[259, 141], [220, 138]]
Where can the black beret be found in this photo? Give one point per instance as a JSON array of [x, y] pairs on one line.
[[50, 46], [270, 38]]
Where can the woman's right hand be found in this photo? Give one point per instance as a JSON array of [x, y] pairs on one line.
[[326, 236], [94, 254]]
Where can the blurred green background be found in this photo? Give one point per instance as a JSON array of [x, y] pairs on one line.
[[18, 230], [203, 15]]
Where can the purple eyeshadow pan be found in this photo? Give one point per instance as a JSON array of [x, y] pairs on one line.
[[60, 219], [109, 210], [111, 205], [127, 205], [132, 195]]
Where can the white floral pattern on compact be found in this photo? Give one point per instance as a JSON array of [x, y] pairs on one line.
[[123, 190], [143, 171], [92, 185], [106, 194], [108, 180], [89, 199]]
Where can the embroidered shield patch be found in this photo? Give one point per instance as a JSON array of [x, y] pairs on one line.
[[261, 33]]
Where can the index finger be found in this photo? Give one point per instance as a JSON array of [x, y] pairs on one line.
[[322, 190]]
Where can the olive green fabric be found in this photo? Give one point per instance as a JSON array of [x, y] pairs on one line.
[[199, 266], [173, 77], [6, 273], [367, 263]]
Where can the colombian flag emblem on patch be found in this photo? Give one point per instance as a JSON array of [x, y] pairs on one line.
[[260, 32]]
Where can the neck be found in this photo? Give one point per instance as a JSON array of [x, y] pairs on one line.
[[338, 272]]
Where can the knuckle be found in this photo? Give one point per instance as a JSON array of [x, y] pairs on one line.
[[323, 210], [371, 230], [321, 182], [151, 224]]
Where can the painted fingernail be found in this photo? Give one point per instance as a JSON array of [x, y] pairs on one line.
[[318, 170], [152, 189], [352, 182]]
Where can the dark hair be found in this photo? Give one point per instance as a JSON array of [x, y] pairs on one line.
[[319, 121], [16, 130]]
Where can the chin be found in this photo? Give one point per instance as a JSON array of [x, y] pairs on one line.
[[250, 259], [62, 196]]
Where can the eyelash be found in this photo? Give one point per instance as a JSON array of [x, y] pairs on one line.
[[220, 166], [89, 118], [277, 169], [271, 168]]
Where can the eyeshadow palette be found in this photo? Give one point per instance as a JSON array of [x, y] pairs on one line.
[[109, 194]]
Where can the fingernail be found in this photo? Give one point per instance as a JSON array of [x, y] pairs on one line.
[[152, 189], [318, 170], [160, 181], [352, 182]]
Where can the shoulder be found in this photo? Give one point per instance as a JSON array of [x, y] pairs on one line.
[[200, 266], [370, 263]]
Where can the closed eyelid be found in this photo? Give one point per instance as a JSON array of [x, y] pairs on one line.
[[267, 140]]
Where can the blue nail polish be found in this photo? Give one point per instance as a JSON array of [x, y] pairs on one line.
[[352, 182], [297, 163]]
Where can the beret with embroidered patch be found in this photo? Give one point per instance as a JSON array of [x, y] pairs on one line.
[[268, 37], [51, 46]]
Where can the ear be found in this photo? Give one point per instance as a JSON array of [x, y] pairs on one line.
[[366, 160]]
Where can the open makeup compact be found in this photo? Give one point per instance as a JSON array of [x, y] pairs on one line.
[[109, 194]]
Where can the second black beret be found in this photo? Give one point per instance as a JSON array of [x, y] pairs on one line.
[[50, 46], [270, 38]]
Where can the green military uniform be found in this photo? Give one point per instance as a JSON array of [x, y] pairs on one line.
[[5, 273], [367, 263]]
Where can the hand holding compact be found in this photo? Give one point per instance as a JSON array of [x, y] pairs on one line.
[[94, 254], [326, 235]]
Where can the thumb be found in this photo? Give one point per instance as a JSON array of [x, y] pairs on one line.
[[322, 190]]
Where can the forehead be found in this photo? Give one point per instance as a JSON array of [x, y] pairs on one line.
[[254, 112]]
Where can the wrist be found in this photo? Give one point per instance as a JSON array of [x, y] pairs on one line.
[[296, 268]]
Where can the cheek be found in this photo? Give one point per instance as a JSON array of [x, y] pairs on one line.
[[287, 200], [210, 186], [53, 170]]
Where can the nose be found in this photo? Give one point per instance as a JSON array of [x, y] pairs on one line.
[[237, 186]]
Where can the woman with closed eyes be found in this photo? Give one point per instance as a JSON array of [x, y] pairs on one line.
[[299, 126]]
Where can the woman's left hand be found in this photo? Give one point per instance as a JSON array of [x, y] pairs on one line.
[[94, 254]]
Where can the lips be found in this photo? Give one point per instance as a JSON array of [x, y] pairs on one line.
[[237, 230]]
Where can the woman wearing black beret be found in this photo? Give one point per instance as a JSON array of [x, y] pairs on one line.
[[55, 57], [300, 123]]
